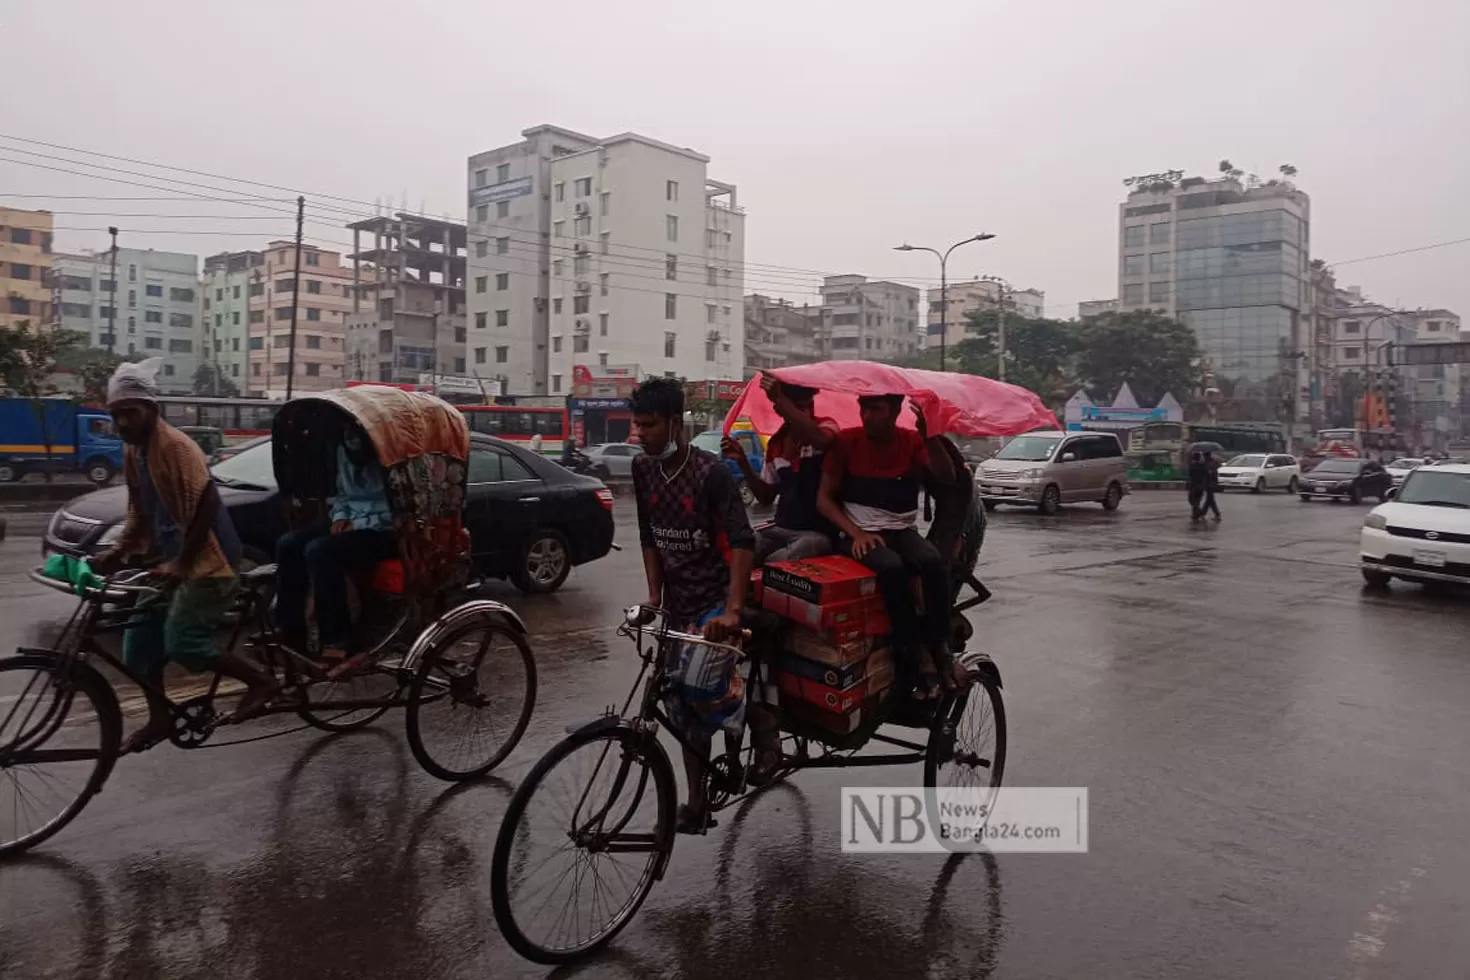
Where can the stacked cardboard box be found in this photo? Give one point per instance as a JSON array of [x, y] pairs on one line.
[[836, 667]]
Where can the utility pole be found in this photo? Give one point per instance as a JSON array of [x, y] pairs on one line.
[[112, 307], [295, 300]]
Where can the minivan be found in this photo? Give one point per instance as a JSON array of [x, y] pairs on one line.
[[1047, 469]]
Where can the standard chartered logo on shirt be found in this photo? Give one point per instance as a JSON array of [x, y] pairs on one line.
[[680, 539]]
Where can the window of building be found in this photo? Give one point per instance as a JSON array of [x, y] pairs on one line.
[[1352, 353], [559, 191], [459, 335], [20, 236], [132, 299], [1432, 326], [481, 283], [502, 281], [482, 212], [580, 265], [256, 316], [20, 270], [502, 209], [479, 355], [502, 246], [556, 305], [281, 341], [584, 186], [312, 313], [604, 240], [709, 350], [181, 295], [502, 173], [1158, 263], [20, 305], [1158, 292], [671, 227], [602, 280], [1133, 294], [153, 343], [181, 319], [106, 285], [314, 286], [671, 267], [502, 318], [602, 324], [502, 355], [312, 370], [580, 344], [235, 318], [151, 316], [556, 384], [670, 339], [459, 365], [312, 258], [1352, 326], [153, 289], [482, 319], [579, 303], [219, 319], [235, 292], [671, 306], [604, 203], [709, 313], [482, 177], [582, 226], [1133, 265], [710, 237], [257, 343], [256, 289], [1158, 233], [1133, 235], [712, 275], [180, 346], [482, 249], [279, 369], [558, 268], [558, 229], [219, 294], [283, 313], [556, 345]]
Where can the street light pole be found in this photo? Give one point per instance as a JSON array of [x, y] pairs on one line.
[[112, 309], [944, 284]]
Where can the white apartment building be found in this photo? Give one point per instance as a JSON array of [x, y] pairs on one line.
[[226, 287], [973, 296], [158, 308], [588, 252], [1096, 307], [870, 321]]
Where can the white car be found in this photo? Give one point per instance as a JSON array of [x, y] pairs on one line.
[[1423, 533], [617, 457], [1402, 467], [1261, 471]]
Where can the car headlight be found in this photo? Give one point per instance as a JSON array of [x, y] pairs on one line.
[[1376, 521], [1031, 474], [110, 536]]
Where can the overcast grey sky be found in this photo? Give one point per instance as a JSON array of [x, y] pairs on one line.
[[848, 127]]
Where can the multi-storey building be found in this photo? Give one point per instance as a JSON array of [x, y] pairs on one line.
[[158, 307], [960, 299], [870, 321], [1230, 260], [778, 333], [226, 306], [408, 303], [1096, 307], [25, 267], [590, 253], [321, 309]]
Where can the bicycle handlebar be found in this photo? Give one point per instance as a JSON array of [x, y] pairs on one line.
[[118, 587], [640, 617]]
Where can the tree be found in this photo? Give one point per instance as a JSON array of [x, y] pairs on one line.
[[1152, 353], [28, 360], [1040, 353], [210, 380]]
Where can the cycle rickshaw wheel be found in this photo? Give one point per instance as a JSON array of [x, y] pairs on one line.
[[582, 843], [358, 686], [967, 743], [59, 738], [471, 699]]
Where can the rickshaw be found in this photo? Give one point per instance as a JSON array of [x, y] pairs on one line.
[[462, 670], [605, 797]]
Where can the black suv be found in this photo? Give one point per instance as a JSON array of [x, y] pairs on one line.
[[529, 519]]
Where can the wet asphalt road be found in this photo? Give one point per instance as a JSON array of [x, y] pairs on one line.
[[1276, 761]]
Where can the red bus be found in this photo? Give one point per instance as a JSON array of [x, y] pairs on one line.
[[237, 418], [520, 423]]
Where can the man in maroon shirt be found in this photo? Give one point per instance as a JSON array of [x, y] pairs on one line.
[[697, 555], [871, 480]]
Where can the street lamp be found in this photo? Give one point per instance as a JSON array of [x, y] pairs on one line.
[[943, 282]]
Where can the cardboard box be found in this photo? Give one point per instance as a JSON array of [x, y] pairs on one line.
[[832, 648], [858, 616], [839, 723], [841, 676], [822, 581], [794, 687], [880, 678]]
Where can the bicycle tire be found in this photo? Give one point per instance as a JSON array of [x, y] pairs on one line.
[[653, 760], [67, 681], [434, 669], [336, 721], [951, 715]]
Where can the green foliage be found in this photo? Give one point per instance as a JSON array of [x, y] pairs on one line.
[[1153, 353], [209, 380]]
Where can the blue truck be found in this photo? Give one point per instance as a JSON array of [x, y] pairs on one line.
[[57, 436]]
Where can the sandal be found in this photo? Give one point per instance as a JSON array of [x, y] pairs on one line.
[[691, 821]]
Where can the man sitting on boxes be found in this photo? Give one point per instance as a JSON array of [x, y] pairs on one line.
[[791, 476], [697, 557], [870, 490]]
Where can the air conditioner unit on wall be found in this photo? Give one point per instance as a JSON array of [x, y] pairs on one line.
[[583, 286], [582, 209], [583, 326]]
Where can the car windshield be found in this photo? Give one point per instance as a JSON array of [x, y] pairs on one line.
[[1249, 461], [709, 441], [1034, 449], [253, 469], [1436, 488], [1346, 467]]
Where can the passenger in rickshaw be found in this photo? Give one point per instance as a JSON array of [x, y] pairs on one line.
[[351, 539], [791, 476], [697, 545], [870, 490], [175, 515]]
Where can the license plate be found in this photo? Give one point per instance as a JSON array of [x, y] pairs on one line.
[[1320, 487], [1434, 559]]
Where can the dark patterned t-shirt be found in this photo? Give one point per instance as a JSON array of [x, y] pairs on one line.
[[694, 521]]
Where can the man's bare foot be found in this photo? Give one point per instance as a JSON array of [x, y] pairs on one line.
[[349, 665], [257, 698], [154, 731]]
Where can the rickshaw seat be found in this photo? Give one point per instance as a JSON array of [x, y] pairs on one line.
[[389, 576]]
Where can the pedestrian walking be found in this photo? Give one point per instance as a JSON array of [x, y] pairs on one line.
[[1196, 477], [1212, 484]]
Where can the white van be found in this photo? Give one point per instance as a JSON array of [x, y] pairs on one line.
[[1047, 469]]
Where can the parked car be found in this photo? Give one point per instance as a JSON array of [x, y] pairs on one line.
[[234, 449], [1261, 471], [615, 458], [1341, 478], [1048, 469], [1423, 533], [1402, 467], [529, 519], [755, 451]]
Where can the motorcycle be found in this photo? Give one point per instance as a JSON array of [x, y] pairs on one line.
[[580, 462]]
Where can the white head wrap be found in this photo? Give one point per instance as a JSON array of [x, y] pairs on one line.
[[135, 382]]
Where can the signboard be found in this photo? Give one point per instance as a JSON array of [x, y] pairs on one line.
[[599, 404], [726, 391], [1100, 413], [1144, 180], [519, 187], [583, 373], [611, 380], [1453, 353]]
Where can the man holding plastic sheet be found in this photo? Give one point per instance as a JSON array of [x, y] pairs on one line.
[[791, 476], [870, 490]]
